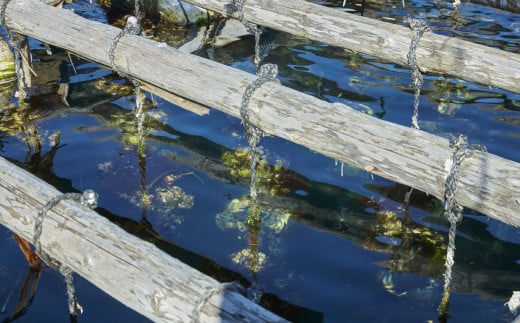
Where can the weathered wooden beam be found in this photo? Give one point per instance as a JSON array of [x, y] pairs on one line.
[[132, 271], [435, 54], [508, 5], [488, 183]]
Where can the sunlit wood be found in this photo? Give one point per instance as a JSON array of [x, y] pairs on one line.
[[488, 183]]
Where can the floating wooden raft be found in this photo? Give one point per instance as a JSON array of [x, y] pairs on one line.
[[435, 54], [129, 269], [488, 183]]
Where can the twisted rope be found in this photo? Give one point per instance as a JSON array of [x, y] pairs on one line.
[[266, 73], [452, 209], [419, 26], [88, 198], [132, 27], [238, 6]]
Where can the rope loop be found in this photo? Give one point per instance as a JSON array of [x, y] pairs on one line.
[[132, 27], [461, 151], [266, 73]]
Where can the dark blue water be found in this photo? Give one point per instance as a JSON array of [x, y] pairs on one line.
[[332, 259]]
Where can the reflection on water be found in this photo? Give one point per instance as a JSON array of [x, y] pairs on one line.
[[327, 246]]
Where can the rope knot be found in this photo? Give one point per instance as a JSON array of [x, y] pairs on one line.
[[89, 198], [418, 25], [132, 26], [268, 71]]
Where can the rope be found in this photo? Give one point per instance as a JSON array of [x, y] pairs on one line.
[[514, 303], [132, 28], [137, 14], [212, 35], [88, 198], [140, 99], [452, 209], [219, 289], [238, 6], [266, 73], [419, 26]]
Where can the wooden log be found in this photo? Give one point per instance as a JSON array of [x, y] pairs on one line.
[[435, 54], [508, 5], [488, 183], [131, 270]]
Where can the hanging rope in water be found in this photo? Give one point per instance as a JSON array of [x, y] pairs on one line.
[[266, 73], [140, 99], [238, 6], [419, 26], [452, 209], [88, 198], [133, 27]]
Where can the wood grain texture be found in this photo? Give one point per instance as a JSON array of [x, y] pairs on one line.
[[488, 184], [131, 270], [435, 54]]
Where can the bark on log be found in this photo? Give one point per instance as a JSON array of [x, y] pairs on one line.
[[131, 270], [488, 183], [435, 54]]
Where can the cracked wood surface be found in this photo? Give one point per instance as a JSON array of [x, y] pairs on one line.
[[488, 183]]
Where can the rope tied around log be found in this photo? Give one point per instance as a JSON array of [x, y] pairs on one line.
[[88, 198], [266, 73], [452, 209], [419, 27], [132, 27]]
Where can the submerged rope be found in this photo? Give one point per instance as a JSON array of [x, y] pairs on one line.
[[453, 210], [419, 26], [88, 198]]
